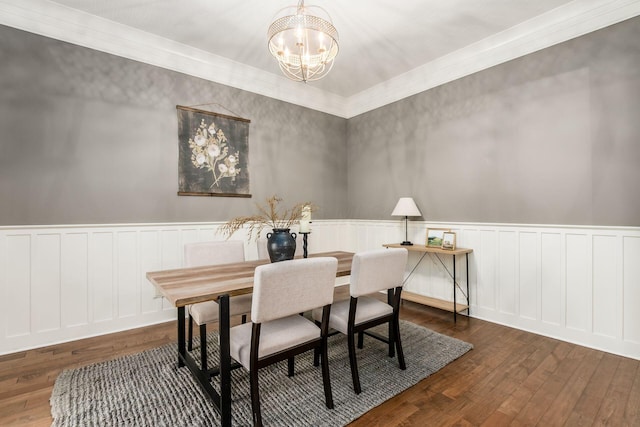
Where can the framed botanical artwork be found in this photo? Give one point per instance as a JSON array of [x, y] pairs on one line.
[[434, 237], [213, 154], [449, 240]]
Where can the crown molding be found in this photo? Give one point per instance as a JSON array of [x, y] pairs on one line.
[[556, 26], [59, 22]]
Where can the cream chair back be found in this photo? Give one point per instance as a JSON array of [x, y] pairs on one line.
[[213, 253], [289, 287], [377, 270]]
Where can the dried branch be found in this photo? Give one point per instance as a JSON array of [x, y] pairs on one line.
[[268, 216]]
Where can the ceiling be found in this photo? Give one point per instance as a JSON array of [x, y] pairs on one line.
[[388, 49], [379, 39]]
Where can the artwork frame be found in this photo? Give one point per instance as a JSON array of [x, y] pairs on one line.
[[213, 154], [434, 237], [449, 241]]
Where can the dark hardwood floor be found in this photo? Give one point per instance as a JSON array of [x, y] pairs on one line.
[[511, 378]]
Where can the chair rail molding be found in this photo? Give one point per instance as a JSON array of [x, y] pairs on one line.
[[575, 283]]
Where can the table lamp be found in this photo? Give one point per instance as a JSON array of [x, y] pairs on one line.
[[406, 207]]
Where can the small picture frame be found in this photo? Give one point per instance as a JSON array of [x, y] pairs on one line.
[[449, 240], [435, 236]]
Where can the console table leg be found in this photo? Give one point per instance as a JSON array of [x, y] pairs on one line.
[[455, 307], [468, 296]]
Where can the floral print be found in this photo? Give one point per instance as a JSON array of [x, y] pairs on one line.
[[210, 151]]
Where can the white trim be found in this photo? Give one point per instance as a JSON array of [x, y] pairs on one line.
[[71, 25], [556, 26], [325, 221], [561, 24]]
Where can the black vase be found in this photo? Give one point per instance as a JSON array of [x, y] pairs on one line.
[[281, 244]]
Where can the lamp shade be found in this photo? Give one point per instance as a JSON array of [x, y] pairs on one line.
[[406, 207]]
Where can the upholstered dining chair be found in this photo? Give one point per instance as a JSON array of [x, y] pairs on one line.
[[371, 272], [277, 332], [213, 253], [263, 252]]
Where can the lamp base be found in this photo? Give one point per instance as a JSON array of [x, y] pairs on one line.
[[406, 243]]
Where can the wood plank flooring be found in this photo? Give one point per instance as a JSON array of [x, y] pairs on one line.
[[510, 378]]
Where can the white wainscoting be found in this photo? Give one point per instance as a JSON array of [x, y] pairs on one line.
[[578, 284], [63, 283], [574, 283]]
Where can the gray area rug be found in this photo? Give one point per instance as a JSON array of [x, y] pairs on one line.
[[148, 389]]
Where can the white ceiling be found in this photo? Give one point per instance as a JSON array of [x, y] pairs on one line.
[[379, 39], [388, 49]]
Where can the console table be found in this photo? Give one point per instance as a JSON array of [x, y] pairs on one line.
[[435, 302]]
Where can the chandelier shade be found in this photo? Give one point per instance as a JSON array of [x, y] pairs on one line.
[[304, 42]]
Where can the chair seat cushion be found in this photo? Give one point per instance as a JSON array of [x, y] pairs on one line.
[[275, 336], [207, 312], [367, 309]]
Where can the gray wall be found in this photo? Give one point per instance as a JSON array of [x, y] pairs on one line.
[[549, 138], [89, 138]]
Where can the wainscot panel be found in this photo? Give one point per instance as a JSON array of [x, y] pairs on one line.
[[62, 283], [575, 283]]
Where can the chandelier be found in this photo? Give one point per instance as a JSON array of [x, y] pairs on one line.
[[304, 43]]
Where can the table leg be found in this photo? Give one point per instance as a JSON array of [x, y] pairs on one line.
[[455, 307], [181, 338], [225, 361], [468, 296], [390, 300], [202, 376]]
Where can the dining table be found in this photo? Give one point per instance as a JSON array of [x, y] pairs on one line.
[[191, 285]]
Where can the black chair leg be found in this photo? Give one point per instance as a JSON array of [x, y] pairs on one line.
[[391, 339], [360, 340], [255, 398], [398, 341], [326, 380], [203, 347], [244, 318], [190, 339], [316, 357], [291, 366], [352, 361]]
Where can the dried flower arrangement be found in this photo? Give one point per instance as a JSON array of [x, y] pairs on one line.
[[268, 216]]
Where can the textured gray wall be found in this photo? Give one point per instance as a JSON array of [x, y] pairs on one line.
[[549, 138], [553, 137], [87, 137]]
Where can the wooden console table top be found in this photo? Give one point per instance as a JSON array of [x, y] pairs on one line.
[[423, 248]]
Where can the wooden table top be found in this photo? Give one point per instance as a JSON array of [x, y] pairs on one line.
[[431, 249], [184, 286]]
